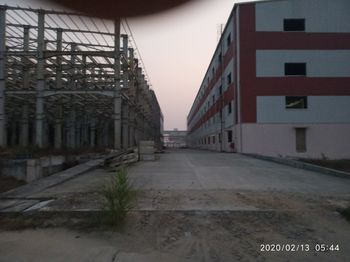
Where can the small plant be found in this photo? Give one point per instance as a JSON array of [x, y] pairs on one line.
[[118, 195]]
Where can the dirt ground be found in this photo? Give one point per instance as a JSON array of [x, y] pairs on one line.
[[190, 206], [158, 228]]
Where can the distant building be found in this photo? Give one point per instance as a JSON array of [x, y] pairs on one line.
[[175, 139], [279, 82]]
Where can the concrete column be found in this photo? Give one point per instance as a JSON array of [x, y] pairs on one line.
[[105, 133], [78, 127], [117, 101], [13, 131], [93, 132], [73, 72], [26, 76], [132, 79], [125, 125], [24, 135], [46, 142], [3, 139], [40, 86], [131, 127], [125, 108], [132, 97], [58, 128], [125, 63], [24, 128], [84, 71], [59, 60], [84, 131], [72, 129]]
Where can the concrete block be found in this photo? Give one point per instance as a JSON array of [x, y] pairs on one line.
[[34, 170], [146, 150], [147, 157], [13, 168]]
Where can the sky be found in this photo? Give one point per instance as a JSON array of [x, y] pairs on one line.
[[176, 47]]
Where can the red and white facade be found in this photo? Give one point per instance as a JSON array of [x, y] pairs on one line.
[[279, 82]]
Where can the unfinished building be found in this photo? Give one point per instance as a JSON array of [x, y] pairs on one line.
[[71, 81]]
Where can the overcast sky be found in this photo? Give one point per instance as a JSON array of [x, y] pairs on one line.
[[176, 47]]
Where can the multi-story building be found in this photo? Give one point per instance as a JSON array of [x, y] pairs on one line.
[[175, 138], [279, 82]]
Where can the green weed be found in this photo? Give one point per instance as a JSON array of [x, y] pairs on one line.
[[118, 195]]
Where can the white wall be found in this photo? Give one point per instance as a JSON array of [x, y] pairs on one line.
[[320, 15], [321, 109], [319, 63], [330, 140]]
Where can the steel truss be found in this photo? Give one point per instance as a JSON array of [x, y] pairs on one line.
[[69, 81]]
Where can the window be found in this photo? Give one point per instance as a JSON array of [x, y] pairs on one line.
[[214, 140], [220, 138], [229, 136], [296, 102], [213, 99], [208, 140], [229, 79], [228, 40], [220, 90], [300, 140], [229, 108], [295, 69], [294, 25], [220, 58]]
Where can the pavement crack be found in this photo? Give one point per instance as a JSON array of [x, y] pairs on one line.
[[115, 256]]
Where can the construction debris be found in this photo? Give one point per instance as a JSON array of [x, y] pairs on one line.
[[124, 158], [147, 150]]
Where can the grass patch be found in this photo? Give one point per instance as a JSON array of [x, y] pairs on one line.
[[118, 195]]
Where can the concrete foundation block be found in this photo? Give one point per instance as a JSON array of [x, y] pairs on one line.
[[147, 157]]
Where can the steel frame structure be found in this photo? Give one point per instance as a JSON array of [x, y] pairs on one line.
[[65, 83]]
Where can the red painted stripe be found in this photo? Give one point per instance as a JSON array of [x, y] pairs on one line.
[[226, 60], [252, 86], [271, 86], [223, 101], [247, 62]]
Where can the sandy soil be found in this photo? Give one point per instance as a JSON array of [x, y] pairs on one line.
[[194, 226]]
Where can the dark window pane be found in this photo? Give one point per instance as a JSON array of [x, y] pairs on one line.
[[229, 40], [295, 69], [296, 102], [294, 25], [300, 139], [229, 136], [229, 109], [229, 78]]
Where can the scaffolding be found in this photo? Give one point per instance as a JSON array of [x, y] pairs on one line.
[[71, 81]]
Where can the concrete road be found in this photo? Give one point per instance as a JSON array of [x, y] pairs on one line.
[[234, 195], [192, 169]]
